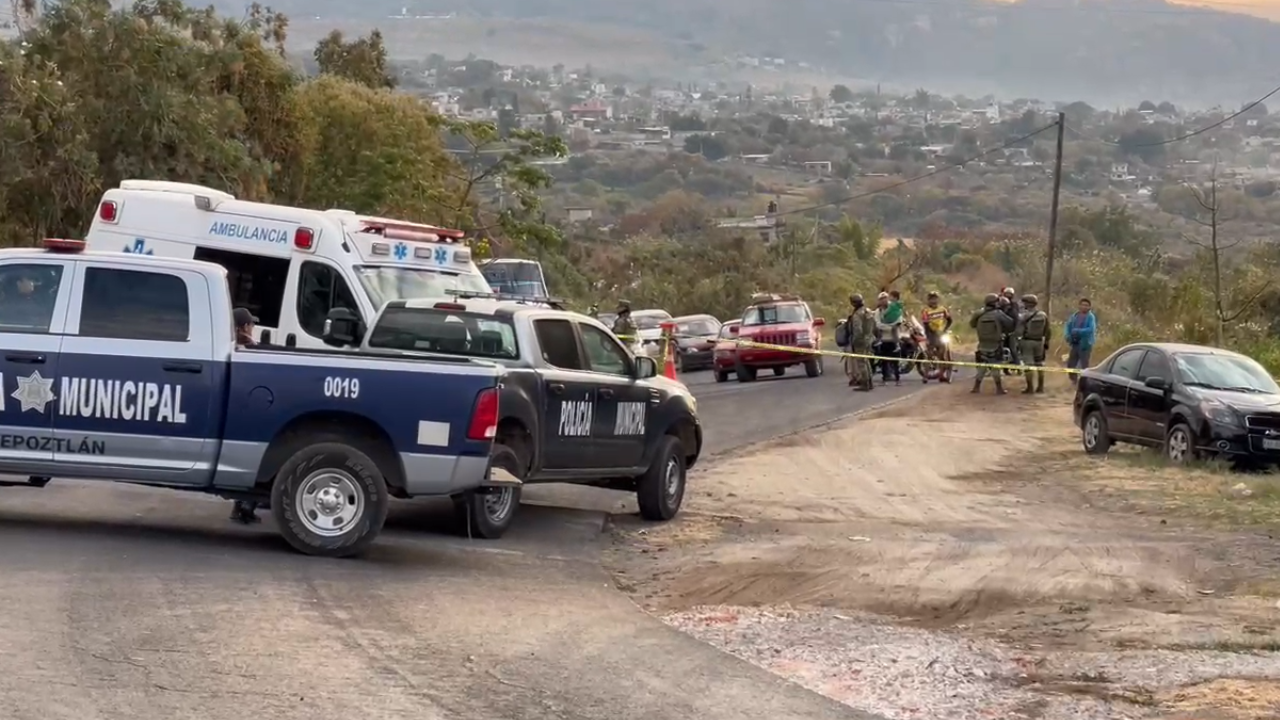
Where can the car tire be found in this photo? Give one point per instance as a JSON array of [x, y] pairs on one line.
[[1094, 433], [660, 491], [679, 363], [722, 376], [813, 367], [779, 371], [745, 374], [487, 515], [306, 518], [1180, 444]]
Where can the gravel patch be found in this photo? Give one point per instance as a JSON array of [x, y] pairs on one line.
[[903, 673]]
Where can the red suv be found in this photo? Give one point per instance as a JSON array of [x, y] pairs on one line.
[[779, 321]]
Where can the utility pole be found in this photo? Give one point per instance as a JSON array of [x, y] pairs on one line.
[[1053, 218]]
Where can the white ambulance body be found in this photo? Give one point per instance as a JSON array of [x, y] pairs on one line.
[[289, 266]]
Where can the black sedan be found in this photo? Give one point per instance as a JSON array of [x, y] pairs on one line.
[[696, 341], [1192, 401]]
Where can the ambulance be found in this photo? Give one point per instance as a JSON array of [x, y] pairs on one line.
[[289, 266]]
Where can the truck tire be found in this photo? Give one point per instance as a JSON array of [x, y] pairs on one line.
[[779, 371], [660, 491], [813, 367], [487, 515], [329, 499], [722, 376], [745, 374]]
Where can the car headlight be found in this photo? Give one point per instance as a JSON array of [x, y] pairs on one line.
[[946, 339], [802, 337], [1221, 413]]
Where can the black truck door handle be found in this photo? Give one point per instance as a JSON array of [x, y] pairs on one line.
[[555, 388], [606, 393], [184, 367], [28, 358]]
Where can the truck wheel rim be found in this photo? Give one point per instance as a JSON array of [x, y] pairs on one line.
[[671, 480], [329, 502], [497, 504], [1091, 431]]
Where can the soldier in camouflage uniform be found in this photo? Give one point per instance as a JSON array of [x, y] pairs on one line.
[[861, 325], [624, 327], [992, 324], [1033, 341]]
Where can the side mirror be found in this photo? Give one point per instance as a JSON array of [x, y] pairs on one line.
[[646, 367], [819, 322], [343, 328], [733, 331], [1156, 383]]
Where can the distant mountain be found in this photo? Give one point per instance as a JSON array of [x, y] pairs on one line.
[[1103, 51]]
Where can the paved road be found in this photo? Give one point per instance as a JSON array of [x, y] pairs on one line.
[[135, 604]]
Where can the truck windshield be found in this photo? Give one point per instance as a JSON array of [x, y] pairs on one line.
[[516, 278], [445, 331], [774, 315], [384, 283]]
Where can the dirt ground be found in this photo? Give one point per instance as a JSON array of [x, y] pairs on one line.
[[1143, 587]]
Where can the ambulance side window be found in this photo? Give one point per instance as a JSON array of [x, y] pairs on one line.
[[320, 289], [135, 305]]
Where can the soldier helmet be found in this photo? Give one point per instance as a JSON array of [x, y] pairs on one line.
[[1009, 292], [932, 294], [856, 299], [1030, 299], [624, 306], [991, 299]]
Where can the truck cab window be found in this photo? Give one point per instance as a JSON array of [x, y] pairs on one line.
[[321, 289], [256, 282], [603, 353], [28, 293], [559, 344], [135, 305]]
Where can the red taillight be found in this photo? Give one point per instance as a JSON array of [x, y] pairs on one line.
[[450, 306], [484, 418], [303, 238], [108, 212], [64, 246]]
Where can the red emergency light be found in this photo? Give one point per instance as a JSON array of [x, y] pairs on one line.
[[412, 232], [59, 245], [304, 238], [109, 212]]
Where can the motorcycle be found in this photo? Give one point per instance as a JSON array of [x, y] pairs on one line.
[[931, 370], [1006, 359]]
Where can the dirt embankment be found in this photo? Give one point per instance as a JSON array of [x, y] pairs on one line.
[[975, 528]]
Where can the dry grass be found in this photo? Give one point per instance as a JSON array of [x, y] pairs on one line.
[[1246, 698]]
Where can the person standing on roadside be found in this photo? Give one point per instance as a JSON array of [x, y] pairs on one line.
[[888, 325], [1033, 342], [992, 324], [1082, 332], [860, 328]]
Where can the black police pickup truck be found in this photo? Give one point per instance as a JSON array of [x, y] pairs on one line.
[[575, 406]]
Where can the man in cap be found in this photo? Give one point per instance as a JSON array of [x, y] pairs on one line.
[[992, 324], [623, 326], [888, 324], [244, 322], [861, 326], [1033, 341], [1009, 304]]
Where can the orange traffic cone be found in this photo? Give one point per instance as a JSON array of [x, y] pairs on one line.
[[669, 364]]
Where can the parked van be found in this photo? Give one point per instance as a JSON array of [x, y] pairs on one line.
[[289, 266]]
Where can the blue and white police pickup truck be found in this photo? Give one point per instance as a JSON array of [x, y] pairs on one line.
[[124, 368]]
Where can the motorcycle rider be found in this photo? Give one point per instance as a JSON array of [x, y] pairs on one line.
[[993, 325], [888, 319], [860, 328], [1033, 341], [936, 319]]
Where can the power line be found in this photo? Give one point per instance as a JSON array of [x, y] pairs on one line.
[[917, 178], [1185, 136]]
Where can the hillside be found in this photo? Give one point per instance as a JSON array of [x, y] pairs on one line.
[[1104, 52]]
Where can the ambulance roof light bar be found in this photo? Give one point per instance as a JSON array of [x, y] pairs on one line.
[[412, 232], [60, 245]]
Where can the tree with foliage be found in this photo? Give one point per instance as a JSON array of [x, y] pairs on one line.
[[841, 94], [363, 60]]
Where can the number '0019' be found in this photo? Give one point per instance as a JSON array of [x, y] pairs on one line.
[[340, 387]]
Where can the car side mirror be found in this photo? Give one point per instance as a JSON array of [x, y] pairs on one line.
[[733, 331], [819, 322], [1156, 383], [646, 367], [343, 328]]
